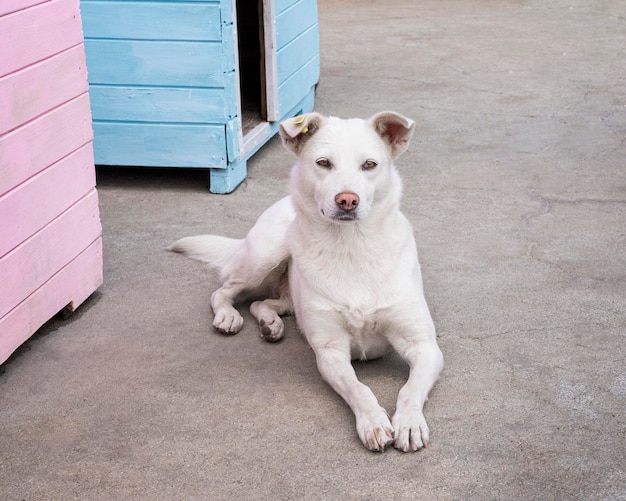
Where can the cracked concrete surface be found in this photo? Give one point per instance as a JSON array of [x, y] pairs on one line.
[[515, 183]]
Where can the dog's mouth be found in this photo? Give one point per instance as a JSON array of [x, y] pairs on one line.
[[346, 216], [341, 215]]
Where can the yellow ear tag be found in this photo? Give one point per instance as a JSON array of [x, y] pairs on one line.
[[305, 130], [298, 120]]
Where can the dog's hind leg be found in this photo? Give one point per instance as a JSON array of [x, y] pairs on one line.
[[268, 313], [226, 318], [246, 275], [220, 252], [243, 276], [255, 271]]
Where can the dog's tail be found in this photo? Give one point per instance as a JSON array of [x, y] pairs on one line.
[[215, 250]]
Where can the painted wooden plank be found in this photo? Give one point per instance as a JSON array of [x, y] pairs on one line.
[[297, 53], [234, 139], [306, 105], [159, 145], [295, 20], [71, 285], [298, 85], [33, 34], [55, 134], [230, 63], [256, 138], [30, 92], [30, 206], [228, 8], [271, 66], [35, 261], [156, 63], [281, 5], [151, 21], [157, 104], [226, 180], [149, 2], [9, 6]]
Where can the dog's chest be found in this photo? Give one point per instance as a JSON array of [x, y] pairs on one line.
[[367, 339], [358, 322]]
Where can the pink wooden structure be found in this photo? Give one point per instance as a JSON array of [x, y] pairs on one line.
[[50, 233]]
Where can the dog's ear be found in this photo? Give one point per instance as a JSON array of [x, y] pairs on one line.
[[295, 132], [395, 129]]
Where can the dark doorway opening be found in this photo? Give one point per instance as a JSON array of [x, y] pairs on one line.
[[250, 36]]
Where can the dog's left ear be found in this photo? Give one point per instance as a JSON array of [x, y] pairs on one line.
[[395, 129], [295, 132]]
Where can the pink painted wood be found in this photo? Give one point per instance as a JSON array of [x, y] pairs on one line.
[[50, 232], [28, 93], [30, 206], [70, 286], [56, 22], [32, 263], [15, 5], [56, 134]]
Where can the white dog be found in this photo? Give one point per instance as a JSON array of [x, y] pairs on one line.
[[340, 255]]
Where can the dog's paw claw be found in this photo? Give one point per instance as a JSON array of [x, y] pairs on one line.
[[375, 430], [411, 435]]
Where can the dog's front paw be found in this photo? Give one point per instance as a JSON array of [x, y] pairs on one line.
[[411, 431], [228, 320], [374, 429]]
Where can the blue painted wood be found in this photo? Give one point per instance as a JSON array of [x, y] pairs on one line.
[[158, 104], [148, 3], [297, 39], [295, 20], [226, 180], [164, 83], [228, 10], [157, 21], [157, 63], [159, 145], [233, 146], [281, 5], [297, 53], [228, 65], [291, 90]]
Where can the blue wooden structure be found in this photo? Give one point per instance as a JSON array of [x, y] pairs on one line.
[[197, 83]]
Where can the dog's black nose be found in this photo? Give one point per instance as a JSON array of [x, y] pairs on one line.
[[347, 200]]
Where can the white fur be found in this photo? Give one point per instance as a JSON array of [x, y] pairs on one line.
[[351, 277]]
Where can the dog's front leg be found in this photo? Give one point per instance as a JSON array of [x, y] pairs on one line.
[[425, 361], [372, 421]]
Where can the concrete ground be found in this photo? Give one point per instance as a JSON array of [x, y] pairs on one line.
[[515, 183]]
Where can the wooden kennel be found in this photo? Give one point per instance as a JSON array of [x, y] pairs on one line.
[[197, 83]]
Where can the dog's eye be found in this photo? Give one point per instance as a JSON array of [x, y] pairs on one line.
[[369, 165], [323, 162]]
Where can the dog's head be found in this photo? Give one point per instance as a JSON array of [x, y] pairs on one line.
[[345, 167]]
